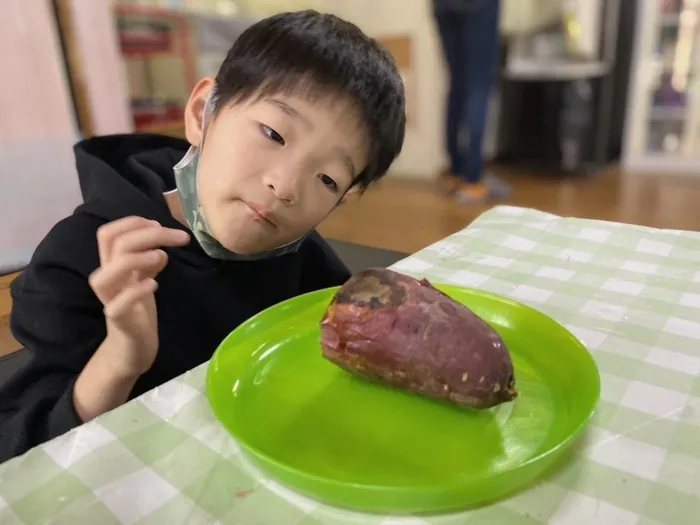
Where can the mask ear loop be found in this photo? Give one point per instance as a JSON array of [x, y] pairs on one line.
[[208, 108]]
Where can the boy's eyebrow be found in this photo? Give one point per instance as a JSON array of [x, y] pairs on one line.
[[289, 110], [349, 164]]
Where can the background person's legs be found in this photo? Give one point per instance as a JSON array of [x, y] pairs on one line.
[[480, 40], [451, 30]]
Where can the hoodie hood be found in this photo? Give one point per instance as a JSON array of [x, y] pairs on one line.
[[123, 175]]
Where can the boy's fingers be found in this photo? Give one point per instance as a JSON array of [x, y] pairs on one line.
[[107, 233], [147, 239], [127, 298], [108, 280]]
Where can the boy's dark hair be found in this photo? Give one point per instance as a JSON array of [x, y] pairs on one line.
[[320, 55]]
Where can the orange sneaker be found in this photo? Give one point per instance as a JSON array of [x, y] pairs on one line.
[[472, 193], [448, 183]]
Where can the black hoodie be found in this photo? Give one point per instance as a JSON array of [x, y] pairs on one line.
[[57, 317]]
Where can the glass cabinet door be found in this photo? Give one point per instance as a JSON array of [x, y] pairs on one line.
[[671, 98]]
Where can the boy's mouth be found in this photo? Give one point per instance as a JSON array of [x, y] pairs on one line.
[[260, 214]]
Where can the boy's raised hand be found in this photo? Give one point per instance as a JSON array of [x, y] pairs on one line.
[[130, 259]]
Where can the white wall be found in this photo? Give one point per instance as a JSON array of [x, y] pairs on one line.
[[38, 182], [422, 155]]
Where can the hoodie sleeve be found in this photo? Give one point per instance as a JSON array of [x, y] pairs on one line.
[[59, 321], [322, 268]]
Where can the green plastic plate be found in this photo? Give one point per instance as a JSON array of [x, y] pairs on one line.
[[351, 443]]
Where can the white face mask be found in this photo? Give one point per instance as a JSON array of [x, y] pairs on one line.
[[186, 182]]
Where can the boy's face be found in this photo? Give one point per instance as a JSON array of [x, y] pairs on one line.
[[272, 169]]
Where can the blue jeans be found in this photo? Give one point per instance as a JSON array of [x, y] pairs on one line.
[[469, 34]]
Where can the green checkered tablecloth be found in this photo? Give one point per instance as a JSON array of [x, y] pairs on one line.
[[631, 294]]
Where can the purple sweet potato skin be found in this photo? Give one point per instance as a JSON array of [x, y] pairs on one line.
[[405, 333]]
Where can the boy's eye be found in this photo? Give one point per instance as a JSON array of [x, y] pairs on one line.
[[272, 134], [328, 182]]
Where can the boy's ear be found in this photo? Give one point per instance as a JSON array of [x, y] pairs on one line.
[[194, 111]]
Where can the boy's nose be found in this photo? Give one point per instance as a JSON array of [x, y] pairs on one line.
[[285, 185]]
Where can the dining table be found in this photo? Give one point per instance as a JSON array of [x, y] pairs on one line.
[[630, 294]]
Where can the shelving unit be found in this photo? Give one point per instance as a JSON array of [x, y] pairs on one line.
[[157, 51], [662, 133]]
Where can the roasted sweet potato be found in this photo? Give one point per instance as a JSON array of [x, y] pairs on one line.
[[407, 334]]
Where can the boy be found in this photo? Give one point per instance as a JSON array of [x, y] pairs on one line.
[[179, 242]]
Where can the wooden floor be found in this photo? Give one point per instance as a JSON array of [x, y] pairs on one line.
[[7, 343], [407, 216]]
